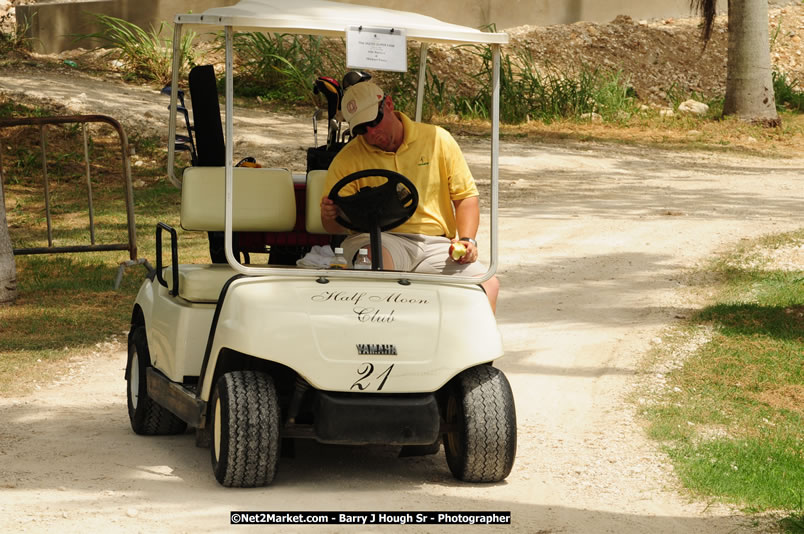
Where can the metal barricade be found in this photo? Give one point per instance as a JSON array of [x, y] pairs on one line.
[[131, 246]]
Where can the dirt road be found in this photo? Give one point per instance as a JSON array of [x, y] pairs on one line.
[[595, 242]]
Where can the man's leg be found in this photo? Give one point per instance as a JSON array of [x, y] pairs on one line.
[[492, 289], [398, 252]]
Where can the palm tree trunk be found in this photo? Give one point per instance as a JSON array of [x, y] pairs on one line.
[[8, 268], [749, 85]]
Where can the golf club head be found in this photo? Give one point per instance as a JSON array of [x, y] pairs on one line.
[[353, 77], [332, 134], [331, 90], [166, 90]]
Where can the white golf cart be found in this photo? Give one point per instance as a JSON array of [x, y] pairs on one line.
[[254, 356]]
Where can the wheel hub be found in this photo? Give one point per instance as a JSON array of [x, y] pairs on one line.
[[134, 382]]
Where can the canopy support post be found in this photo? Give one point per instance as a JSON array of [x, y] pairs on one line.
[[174, 91], [422, 81], [228, 219], [495, 152]]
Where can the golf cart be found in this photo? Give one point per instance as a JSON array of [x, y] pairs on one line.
[[255, 356]]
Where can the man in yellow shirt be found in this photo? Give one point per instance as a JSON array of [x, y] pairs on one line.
[[449, 208]]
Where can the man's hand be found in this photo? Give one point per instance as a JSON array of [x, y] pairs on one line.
[[471, 252], [467, 218], [328, 213], [328, 210]]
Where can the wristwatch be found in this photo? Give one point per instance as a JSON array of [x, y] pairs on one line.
[[469, 240]]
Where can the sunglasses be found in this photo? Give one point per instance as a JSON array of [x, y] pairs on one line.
[[360, 129]]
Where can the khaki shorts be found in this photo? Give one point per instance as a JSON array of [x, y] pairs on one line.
[[415, 253]]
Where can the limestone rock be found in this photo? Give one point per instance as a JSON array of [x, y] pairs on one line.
[[693, 107]]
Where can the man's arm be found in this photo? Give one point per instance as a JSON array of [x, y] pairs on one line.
[[467, 219]]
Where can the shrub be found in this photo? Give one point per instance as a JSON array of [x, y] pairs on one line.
[[145, 55]]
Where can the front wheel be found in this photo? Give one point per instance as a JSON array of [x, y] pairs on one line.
[[147, 417], [245, 429], [480, 443]]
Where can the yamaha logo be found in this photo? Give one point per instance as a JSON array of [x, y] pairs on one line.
[[375, 348]]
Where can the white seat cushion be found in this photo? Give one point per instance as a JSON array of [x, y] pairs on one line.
[[200, 283]]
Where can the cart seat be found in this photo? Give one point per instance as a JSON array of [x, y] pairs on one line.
[[200, 283], [263, 201], [287, 247], [314, 192]]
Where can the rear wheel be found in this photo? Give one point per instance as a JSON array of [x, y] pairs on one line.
[[245, 429], [481, 443], [147, 417]]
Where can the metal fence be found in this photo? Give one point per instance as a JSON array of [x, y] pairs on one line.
[[131, 245]]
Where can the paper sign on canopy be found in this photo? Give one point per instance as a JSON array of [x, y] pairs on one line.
[[376, 48]]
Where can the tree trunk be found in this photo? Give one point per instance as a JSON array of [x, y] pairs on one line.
[[8, 268], [749, 85]]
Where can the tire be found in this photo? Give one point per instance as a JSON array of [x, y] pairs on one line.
[[245, 419], [480, 410], [147, 417]]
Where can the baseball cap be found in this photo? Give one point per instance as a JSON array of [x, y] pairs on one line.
[[360, 103]]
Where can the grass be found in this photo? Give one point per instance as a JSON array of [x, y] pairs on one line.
[[67, 303], [732, 412], [788, 93]]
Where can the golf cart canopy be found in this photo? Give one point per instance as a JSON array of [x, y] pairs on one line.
[[323, 17], [328, 18]]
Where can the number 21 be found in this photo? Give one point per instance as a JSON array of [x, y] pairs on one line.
[[365, 371]]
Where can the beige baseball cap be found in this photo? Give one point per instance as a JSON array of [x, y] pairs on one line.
[[360, 103]]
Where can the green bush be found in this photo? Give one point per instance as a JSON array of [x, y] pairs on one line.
[[14, 39], [788, 95], [282, 66], [530, 92], [146, 55]]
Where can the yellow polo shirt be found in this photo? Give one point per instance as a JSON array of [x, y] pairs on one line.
[[430, 158]]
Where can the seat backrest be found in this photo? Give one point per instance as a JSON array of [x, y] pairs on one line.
[[315, 190], [207, 117], [263, 199]]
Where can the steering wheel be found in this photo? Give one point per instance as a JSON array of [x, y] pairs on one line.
[[375, 209], [385, 206]]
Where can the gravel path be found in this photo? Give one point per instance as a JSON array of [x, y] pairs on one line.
[[596, 240]]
